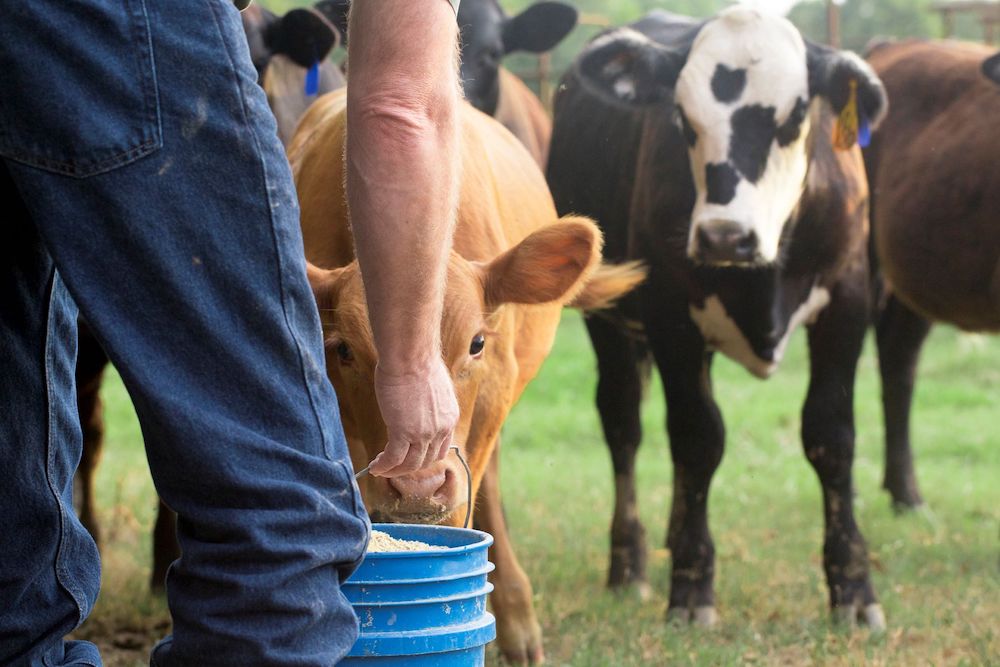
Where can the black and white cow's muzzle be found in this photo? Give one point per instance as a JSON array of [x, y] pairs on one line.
[[721, 242]]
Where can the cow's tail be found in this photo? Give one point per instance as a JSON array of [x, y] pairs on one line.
[[607, 284]]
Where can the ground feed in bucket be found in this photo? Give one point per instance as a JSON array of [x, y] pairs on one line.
[[383, 542]]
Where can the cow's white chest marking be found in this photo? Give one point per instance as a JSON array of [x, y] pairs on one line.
[[722, 334]]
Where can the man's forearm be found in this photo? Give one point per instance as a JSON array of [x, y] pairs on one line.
[[403, 170]]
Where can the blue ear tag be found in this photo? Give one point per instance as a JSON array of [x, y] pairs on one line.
[[312, 79], [864, 133]]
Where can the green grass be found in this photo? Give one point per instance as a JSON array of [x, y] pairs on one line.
[[936, 572]]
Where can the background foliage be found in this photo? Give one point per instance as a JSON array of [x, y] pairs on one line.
[[861, 21]]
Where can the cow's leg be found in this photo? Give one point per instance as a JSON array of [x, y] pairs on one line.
[[90, 364], [835, 342], [900, 333], [697, 437], [518, 633], [165, 547], [622, 371]]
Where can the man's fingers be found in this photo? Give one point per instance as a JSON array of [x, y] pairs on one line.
[[393, 454], [413, 461], [444, 444], [401, 458], [405, 457], [437, 448]]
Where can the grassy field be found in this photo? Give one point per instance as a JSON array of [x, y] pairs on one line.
[[937, 572]]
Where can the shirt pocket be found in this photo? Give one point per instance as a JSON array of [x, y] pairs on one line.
[[78, 93]]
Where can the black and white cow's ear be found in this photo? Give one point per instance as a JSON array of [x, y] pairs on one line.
[[304, 35], [991, 68], [830, 75], [627, 67], [539, 27]]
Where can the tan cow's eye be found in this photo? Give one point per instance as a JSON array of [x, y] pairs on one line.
[[478, 343], [344, 352]]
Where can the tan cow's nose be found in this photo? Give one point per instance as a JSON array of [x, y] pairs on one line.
[[423, 484]]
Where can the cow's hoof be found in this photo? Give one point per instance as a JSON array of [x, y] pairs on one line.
[[705, 617], [521, 645], [906, 505], [873, 616], [702, 617], [848, 616], [640, 589], [904, 493]]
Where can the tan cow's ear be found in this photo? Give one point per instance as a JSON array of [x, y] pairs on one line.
[[323, 283], [551, 264]]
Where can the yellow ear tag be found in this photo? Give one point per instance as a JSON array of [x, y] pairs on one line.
[[845, 130]]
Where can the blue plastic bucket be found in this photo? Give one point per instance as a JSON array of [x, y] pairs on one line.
[[423, 607]]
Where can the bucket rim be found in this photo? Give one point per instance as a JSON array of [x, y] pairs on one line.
[[485, 540]]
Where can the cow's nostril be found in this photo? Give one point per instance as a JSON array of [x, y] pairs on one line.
[[423, 484], [747, 245], [725, 242], [704, 240]]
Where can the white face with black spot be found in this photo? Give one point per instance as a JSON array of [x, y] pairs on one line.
[[742, 100]]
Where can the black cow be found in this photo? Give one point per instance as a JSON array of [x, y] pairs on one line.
[[704, 149], [488, 35]]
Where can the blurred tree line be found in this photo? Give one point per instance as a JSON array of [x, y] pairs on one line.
[[860, 22], [864, 20]]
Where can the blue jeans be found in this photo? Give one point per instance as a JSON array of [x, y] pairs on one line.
[[142, 179]]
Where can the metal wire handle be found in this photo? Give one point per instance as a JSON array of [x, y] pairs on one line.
[[468, 486]]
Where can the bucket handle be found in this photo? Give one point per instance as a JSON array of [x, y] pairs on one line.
[[468, 486]]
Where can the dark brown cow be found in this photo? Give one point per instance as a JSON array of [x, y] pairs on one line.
[[704, 149], [281, 49], [513, 268], [935, 215]]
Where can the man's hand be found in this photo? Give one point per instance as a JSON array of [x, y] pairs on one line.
[[420, 413]]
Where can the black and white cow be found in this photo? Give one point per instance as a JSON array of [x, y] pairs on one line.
[[704, 149]]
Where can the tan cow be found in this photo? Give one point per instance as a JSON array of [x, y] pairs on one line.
[[512, 269]]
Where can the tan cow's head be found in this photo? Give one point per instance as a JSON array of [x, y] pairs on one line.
[[550, 266]]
